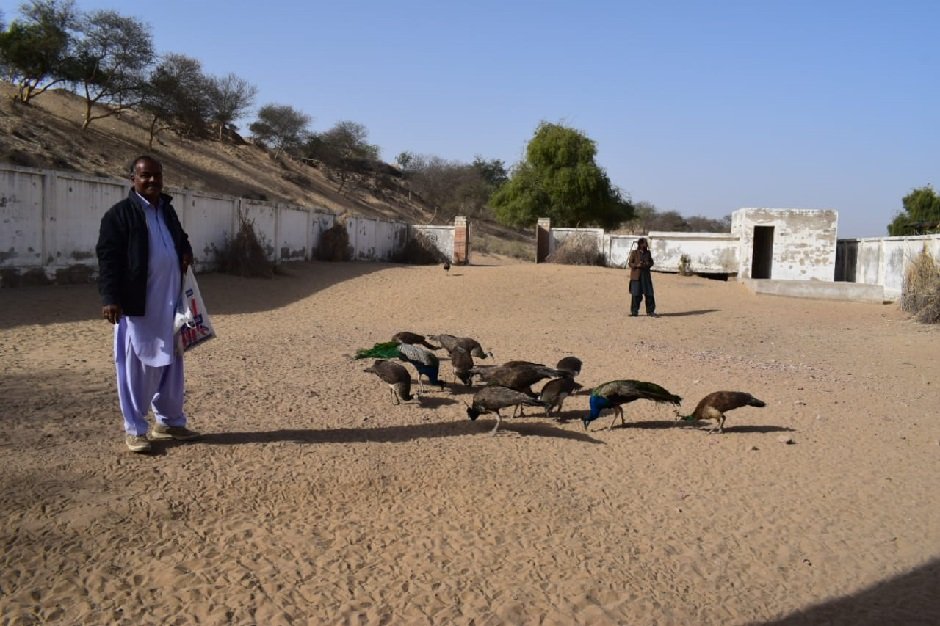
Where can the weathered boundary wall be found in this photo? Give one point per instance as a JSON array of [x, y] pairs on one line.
[[884, 260], [803, 242], [877, 261], [49, 226], [709, 253]]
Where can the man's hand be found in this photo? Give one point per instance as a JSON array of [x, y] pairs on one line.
[[111, 312], [186, 262]]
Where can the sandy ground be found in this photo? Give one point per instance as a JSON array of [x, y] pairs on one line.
[[313, 500]]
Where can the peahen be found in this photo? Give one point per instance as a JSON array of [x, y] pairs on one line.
[[397, 377], [449, 342], [555, 391], [492, 398], [516, 375], [462, 363], [571, 365], [716, 404], [414, 339], [424, 361], [612, 394]]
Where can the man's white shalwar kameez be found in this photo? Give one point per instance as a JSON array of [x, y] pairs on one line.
[[149, 369]]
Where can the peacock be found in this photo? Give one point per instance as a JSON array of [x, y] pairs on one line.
[[516, 375], [555, 391], [449, 342], [492, 398], [716, 404], [612, 394], [423, 360], [414, 339], [397, 377], [462, 363], [570, 365]]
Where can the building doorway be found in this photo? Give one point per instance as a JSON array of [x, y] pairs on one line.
[[762, 258]]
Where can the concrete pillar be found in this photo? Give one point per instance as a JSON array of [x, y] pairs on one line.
[[543, 239], [461, 241]]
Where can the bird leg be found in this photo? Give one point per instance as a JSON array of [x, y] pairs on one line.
[[395, 397], [498, 420], [720, 425], [618, 410]]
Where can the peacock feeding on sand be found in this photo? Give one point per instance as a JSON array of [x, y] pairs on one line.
[[611, 395], [493, 398], [555, 391], [397, 377], [423, 360], [716, 404], [471, 345]]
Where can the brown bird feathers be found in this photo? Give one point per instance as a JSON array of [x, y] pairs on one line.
[[716, 404]]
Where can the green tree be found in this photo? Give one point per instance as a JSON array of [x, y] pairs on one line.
[[493, 172], [175, 97], [281, 126], [921, 213], [229, 98], [34, 50], [559, 179], [113, 56]]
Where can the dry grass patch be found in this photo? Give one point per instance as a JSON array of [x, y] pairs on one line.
[[244, 254], [578, 249], [920, 295]]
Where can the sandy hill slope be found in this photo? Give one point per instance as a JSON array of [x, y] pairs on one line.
[[48, 134]]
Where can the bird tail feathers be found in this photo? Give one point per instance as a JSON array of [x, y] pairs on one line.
[[383, 350]]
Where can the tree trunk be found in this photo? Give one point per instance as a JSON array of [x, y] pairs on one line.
[[153, 126]]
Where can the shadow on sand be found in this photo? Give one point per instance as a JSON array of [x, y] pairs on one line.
[[689, 313], [392, 434], [911, 599]]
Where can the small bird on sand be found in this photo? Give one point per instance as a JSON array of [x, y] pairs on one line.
[[716, 404], [447, 267]]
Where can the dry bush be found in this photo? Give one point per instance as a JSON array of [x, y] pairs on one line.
[[419, 250], [920, 294], [334, 244], [579, 249], [490, 244], [244, 254]]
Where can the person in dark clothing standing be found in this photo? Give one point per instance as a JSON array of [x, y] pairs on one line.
[[641, 279], [143, 252]]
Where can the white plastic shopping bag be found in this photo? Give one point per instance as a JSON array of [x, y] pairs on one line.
[[192, 325]]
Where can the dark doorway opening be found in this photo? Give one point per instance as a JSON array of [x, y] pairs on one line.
[[762, 258], [542, 242]]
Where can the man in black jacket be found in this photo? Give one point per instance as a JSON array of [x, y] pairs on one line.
[[143, 252]]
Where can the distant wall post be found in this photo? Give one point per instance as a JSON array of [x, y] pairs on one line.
[[461, 241], [543, 239]]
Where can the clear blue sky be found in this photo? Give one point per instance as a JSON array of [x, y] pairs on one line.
[[702, 107]]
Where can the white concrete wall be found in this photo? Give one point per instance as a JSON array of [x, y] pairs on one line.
[[49, 223], [884, 260], [375, 239], [209, 220], [709, 253], [441, 236], [618, 249], [21, 243], [804, 246]]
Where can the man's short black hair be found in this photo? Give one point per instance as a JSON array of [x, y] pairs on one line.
[[143, 157]]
